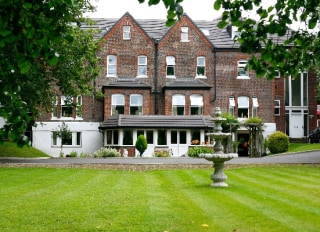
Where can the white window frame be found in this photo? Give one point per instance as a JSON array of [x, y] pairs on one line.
[[126, 32], [171, 63], [79, 107], [232, 104], [136, 100], [184, 34], [178, 100], [242, 70], [196, 101], [243, 103], [62, 105], [255, 106], [112, 62], [56, 141], [201, 63], [277, 107], [117, 100], [142, 64]]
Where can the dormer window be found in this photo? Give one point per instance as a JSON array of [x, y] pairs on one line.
[[126, 33], [184, 34], [242, 70], [235, 34]]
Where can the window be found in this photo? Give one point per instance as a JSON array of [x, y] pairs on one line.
[[277, 107], [184, 34], [79, 107], [178, 104], [66, 106], [142, 66], [162, 137], [296, 90], [195, 137], [112, 137], [178, 137], [243, 72], [126, 32], [149, 136], [117, 104], [255, 106], [231, 106], [127, 137], [196, 104], [136, 101], [171, 63], [201, 66], [243, 107], [73, 140], [112, 66]]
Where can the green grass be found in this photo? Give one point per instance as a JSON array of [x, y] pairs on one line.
[[300, 147], [9, 149], [279, 198]]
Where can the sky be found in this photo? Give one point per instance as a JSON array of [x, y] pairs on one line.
[[195, 9]]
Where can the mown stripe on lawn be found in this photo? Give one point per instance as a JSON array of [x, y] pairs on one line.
[[298, 212]]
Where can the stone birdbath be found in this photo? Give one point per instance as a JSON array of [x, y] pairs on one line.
[[218, 157]]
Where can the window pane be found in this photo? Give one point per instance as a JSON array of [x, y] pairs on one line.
[[142, 70], [136, 100], [142, 60], [115, 137], [170, 70], [201, 61], [128, 138], [200, 71], [178, 99], [78, 138], [183, 137], [170, 60], [174, 137], [196, 110], [296, 91], [109, 137], [162, 137], [243, 113], [150, 137]]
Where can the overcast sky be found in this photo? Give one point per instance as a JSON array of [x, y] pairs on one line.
[[195, 9]]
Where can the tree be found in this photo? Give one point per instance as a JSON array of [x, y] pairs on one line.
[[41, 45], [297, 50], [141, 144]]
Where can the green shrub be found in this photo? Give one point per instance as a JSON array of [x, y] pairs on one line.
[[161, 154], [106, 152], [73, 154], [141, 144], [196, 150], [278, 142], [253, 120], [84, 155]]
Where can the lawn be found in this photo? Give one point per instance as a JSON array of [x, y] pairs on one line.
[[9, 149], [273, 198]]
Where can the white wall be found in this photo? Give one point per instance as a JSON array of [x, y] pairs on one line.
[[91, 138]]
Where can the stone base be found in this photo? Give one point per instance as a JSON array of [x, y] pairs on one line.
[[218, 185]]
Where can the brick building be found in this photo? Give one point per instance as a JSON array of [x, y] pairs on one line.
[[166, 82]]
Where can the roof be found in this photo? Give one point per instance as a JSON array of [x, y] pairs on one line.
[[156, 29], [127, 83], [157, 121], [187, 83]]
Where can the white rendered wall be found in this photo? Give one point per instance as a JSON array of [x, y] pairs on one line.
[[91, 138]]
